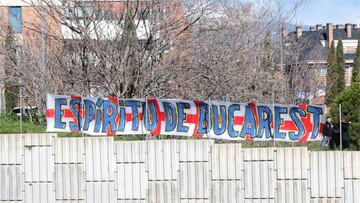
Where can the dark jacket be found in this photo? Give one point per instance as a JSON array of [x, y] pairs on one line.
[[345, 131], [336, 134], [328, 130], [344, 134]]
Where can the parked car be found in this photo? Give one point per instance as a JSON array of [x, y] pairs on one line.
[[27, 111]]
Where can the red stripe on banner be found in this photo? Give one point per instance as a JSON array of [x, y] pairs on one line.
[[68, 113], [288, 125], [307, 124], [160, 115], [254, 111], [191, 118], [194, 119], [50, 113], [238, 120], [128, 117], [76, 97], [117, 119]]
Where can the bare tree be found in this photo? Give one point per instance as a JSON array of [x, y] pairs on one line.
[[238, 53], [225, 50], [100, 48]]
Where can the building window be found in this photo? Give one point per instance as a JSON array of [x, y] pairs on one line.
[[79, 11], [88, 10], [105, 14], [320, 90], [143, 13], [349, 50], [85, 10], [323, 71], [15, 19], [348, 70]]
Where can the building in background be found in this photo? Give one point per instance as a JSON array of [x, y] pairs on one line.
[[42, 28], [313, 51], [28, 29]]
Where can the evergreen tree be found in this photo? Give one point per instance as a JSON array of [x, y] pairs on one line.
[[356, 68], [340, 64], [350, 102], [331, 76]]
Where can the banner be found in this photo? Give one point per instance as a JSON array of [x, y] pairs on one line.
[[203, 119]]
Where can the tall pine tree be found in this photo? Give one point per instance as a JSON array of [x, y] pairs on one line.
[[356, 69], [331, 76], [340, 64]]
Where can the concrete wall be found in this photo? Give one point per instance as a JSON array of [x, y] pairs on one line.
[[43, 168]]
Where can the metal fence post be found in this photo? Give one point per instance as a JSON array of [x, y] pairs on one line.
[[340, 127]]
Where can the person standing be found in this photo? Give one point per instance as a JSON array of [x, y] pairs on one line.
[[345, 134], [328, 132]]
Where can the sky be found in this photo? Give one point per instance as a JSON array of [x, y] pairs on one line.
[[328, 11]]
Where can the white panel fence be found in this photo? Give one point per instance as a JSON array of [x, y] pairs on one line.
[[42, 168]]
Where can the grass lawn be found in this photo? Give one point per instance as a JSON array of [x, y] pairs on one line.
[[11, 124]]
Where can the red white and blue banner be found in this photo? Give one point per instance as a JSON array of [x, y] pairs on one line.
[[203, 119]]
